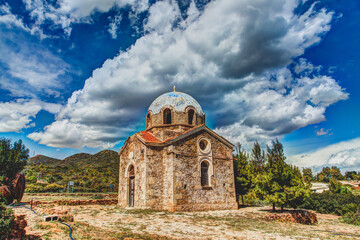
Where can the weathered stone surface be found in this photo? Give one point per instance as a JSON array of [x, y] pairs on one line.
[[78, 202], [167, 161], [295, 216]]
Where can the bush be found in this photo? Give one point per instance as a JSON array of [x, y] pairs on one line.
[[53, 187], [333, 203], [35, 188], [352, 218], [43, 187], [31, 179], [6, 221]]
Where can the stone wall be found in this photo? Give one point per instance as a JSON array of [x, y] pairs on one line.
[[168, 131], [189, 195], [133, 153], [155, 175], [176, 118], [169, 178]]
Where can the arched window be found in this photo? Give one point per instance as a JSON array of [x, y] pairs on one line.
[[147, 120], [204, 173], [191, 116], [131, 170], [167, 116]]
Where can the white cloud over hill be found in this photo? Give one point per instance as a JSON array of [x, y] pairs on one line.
[[345, 155], [233, 58], [17, 115]]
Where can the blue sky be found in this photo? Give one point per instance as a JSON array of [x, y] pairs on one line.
[[78, 76]]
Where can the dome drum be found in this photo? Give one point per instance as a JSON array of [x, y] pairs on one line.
[[174, 108], [169, 117]]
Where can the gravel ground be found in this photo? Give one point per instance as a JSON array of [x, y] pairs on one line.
[[245, 223]]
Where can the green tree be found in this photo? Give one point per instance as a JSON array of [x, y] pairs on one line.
[[351, 175], [6, 221], [307, 175], [296, 189], [12, 158], [281, 184], [337, 187], [324, 175], [243, 176], [336, 174], [257, 158]]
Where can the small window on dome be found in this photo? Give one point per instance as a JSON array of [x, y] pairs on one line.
[[191, 116], [167, 116]]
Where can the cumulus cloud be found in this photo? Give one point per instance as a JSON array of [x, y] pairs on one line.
[[276, 104], [162, 16], [29, 69], [19, 114], [233, 57], [65, 13], [345, 155], [72, 135]]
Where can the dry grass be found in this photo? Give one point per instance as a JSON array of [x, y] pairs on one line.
[[111, 222], [53, 197]]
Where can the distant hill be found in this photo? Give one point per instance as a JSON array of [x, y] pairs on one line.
[[77, 158], [89, 172], [41, 159]]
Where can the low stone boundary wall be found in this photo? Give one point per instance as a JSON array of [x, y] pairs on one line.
[[78, 202], [110, 195], [295, 216]]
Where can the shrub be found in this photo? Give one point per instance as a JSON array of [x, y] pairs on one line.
[[35, 188], [334, 203], [53, 187], [6, 221], [31, 179], [352, 218]]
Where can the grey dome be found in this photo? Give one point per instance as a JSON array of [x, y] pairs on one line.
[[178, 100]]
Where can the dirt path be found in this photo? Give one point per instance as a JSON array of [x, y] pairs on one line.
[[106, 221]]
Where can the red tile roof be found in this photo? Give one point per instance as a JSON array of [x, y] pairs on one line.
[[147, 136], [151, 139]]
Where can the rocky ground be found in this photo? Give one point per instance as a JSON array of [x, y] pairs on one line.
[[111, 222]]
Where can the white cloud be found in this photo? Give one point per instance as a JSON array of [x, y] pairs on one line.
[[232, 58], [67, 12], [19, 114], [84, 8], [72, 135], [162, 16], [10, 19], [322, 131], [305, 68], [345, 155], [277, 104], [114, 26], [29, 68]]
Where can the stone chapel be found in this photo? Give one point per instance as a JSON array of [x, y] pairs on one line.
[[177, 163]]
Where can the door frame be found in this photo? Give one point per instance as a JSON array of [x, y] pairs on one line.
[[131, 197]]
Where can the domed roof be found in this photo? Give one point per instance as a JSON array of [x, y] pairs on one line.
[[178, 100]]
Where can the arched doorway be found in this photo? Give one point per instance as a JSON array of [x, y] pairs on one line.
[[131, 172]]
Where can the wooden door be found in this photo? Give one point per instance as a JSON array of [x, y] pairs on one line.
[[131, 191]]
